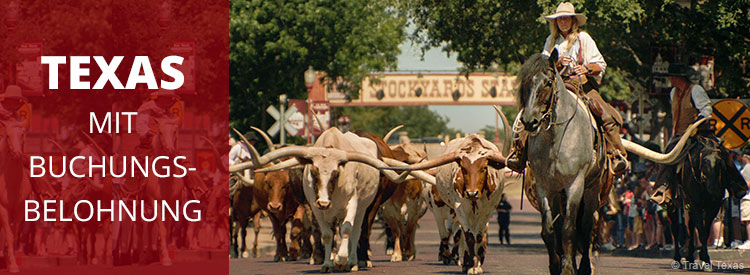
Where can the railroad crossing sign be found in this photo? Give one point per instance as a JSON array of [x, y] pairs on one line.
[[731, 119], [277, 116]]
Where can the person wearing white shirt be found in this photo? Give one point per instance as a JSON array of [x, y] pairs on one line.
[[578, 52], [241, 153], [745, 201]]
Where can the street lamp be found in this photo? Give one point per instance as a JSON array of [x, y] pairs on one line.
[[309, 80], [309, 77]]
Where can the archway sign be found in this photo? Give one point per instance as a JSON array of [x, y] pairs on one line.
[[731, 119], [410, 89]]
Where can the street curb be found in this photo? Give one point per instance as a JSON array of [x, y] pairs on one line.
[[177, 256], [715, 254]]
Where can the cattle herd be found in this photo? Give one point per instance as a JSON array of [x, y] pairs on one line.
[[332, 191]]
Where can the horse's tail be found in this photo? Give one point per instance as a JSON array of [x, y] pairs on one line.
[[734, 182]]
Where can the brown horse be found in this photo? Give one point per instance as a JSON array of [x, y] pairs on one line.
[[14, 183]]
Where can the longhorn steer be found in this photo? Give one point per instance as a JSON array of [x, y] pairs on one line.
[[443, 215], [406, 206], [243, 208], [470, 181], [274, 193], [338, 184], [386, 189]]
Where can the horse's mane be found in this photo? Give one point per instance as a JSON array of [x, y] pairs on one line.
[[535, 64]]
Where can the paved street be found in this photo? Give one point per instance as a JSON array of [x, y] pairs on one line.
[[527, 255]]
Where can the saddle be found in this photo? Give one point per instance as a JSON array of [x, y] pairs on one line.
[[593, 105], [664, 192]]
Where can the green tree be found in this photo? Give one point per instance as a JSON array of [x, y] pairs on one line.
[[484, 33], [489, 132], [271, 44], [419, 121]]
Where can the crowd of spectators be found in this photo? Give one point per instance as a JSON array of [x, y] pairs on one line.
[[633, 222]]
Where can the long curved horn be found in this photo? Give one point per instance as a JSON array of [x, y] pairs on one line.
[[431, 172], [322, 128], [422, 175], [444, 159], [374, 162], [253, 153], [259, 161], [245, 181], [223, 166], [498, 158], [233, 187], [390, 133], [280, 166], [659, 157], [265, 137], [507, 132]]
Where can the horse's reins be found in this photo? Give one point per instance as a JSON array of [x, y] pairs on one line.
[[549, 112]]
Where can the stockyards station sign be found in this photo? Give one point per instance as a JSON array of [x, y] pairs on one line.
[[389, 89]]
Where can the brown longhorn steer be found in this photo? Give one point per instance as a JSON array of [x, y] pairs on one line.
[[470, 181], [275, 192], [406, 206], [386, 188], [340, 181], [243, 208]]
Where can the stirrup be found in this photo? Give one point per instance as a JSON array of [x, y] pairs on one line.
[[624, 159], [661, 195], [612, 159]]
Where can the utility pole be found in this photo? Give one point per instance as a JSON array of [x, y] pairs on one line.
[[282, 102]]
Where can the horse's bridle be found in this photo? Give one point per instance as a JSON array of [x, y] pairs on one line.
[[550, 102]]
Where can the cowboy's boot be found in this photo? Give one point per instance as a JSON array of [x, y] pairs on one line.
[[619, 161], [517, 159]]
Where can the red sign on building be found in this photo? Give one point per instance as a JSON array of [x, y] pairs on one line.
[[29, 70]]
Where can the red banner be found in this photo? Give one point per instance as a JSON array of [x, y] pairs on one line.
[[127, 107]]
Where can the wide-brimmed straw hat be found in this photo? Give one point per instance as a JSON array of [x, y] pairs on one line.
[[566, 9]]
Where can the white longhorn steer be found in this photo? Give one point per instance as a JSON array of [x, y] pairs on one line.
[[339, 181]]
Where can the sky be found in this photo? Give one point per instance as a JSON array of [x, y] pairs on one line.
[[468, 119]]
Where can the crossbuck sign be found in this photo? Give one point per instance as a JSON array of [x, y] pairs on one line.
[[281, 120]]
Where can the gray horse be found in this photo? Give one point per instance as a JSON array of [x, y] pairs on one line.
[[567, 160]]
